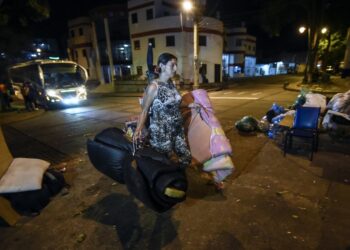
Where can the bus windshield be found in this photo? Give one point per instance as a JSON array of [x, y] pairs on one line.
[[62, 75]]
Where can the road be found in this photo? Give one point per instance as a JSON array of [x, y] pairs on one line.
[[271, 202], [65, 131]]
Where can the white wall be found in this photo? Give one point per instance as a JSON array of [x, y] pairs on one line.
[[157, 29]]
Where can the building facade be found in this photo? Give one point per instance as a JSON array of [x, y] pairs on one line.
[[239, 57], [161, 23], [100, 42]]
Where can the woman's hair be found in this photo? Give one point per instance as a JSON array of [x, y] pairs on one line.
[[164, 59]]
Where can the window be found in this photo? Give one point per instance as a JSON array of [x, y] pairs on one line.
[[166, 13], [134, 18], [137, 44], [149, 14], [151, 40], [81, 31], [249, 47], [72, 33], [76, 54], [202, 41], [253, 48], [239, 42], [139, 70], [84, 53], [170, 41]]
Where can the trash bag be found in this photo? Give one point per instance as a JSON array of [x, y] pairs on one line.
[[110, 152], [54, 181], [274, 111], [301, 99], [247, 124], [340, 103], [29, 202], [315, 100]]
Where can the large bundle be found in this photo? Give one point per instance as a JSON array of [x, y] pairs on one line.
[[149, 175], [207, 140]]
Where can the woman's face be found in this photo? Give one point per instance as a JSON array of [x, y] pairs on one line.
[[170, 68]]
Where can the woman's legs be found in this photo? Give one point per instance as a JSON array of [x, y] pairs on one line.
[[181, 148]]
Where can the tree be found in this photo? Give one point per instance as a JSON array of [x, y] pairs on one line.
[[314, 13], [331, 49], [15, 18]]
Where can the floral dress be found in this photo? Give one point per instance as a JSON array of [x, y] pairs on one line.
[[166, 123]]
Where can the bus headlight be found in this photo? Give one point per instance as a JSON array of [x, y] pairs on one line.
[[51, 92], [82, 90]]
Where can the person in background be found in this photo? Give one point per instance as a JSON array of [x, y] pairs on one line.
[[27, 93], [5, 96]]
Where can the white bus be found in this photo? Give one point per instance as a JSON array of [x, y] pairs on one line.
[[54, 81]]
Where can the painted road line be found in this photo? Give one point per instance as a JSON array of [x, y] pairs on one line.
[[256, 93], [241, 93], [233, 98], [226, 93]]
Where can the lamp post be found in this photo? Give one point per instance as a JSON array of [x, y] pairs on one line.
[[310, 58], [188, 7]]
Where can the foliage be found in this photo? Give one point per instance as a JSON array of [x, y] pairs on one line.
[[335, 52], [22, 12], [15, 17]]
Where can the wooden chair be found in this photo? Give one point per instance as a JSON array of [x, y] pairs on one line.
[[6, 211]]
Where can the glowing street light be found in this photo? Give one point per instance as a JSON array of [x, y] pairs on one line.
[[187, 6], [302, 29], [324, 30]]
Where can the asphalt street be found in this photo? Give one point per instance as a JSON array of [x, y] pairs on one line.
[[271, 201]]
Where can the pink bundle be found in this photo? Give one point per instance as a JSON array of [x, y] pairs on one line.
[[207, 140]]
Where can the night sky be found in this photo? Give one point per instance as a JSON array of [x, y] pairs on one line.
[[232, 12]]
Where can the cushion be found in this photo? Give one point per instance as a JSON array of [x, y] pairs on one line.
[[24, 174]]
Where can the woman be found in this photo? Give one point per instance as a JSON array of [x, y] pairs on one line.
[[161, 104]]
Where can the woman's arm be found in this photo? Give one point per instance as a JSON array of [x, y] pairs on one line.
[[151, 93]]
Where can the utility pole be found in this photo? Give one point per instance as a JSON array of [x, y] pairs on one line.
[[97, 52], [109, 50], [195, 52]]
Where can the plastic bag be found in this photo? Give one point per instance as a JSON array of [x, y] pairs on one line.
[[247, 124]]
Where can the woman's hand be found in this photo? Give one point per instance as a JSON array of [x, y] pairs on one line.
[[195, 106], [137, 136]]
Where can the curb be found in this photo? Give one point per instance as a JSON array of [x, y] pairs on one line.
[[287, 86]]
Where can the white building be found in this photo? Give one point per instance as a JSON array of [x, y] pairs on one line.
[[161, 23], [88, 42], [239, 55], [80, 45]]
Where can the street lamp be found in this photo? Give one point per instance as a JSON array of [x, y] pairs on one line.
[[324, 30], [311, 48], [302, 29], [188, 7]]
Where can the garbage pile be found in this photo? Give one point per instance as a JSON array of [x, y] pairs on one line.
[[336, 115], [337, 118]]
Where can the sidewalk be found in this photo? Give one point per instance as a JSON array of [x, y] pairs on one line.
[[337, 85], [274, 202]]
